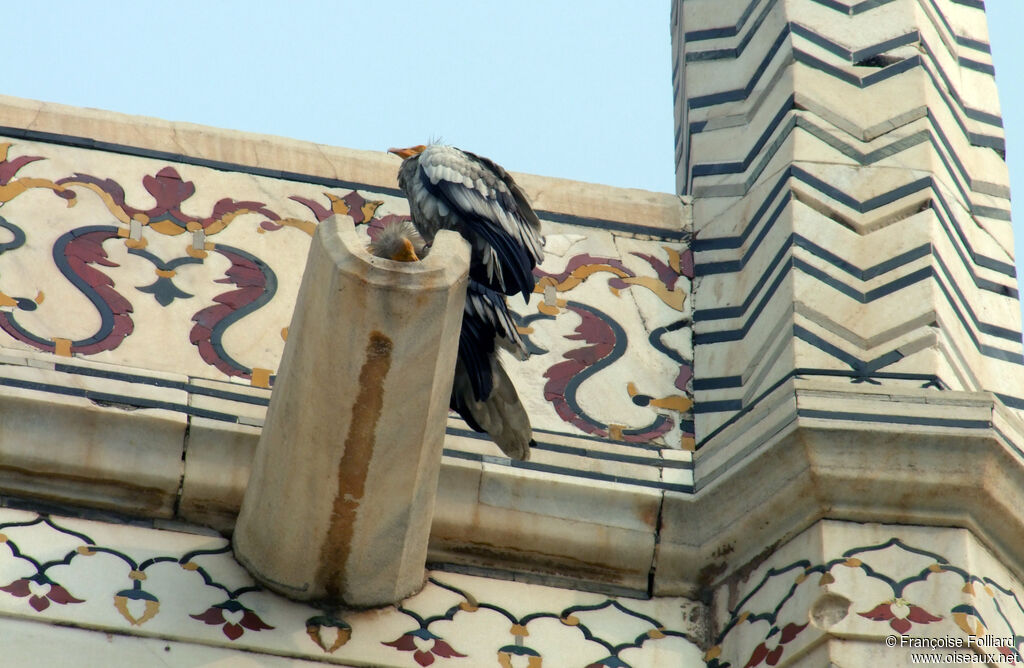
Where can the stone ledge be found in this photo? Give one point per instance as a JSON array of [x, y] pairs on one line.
[[599, 536], [869, 455], [590, 529], [82, 445], [632, 206], [815, 450]]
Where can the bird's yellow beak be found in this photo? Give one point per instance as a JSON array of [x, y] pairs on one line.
[[406, 253], [404, 153]]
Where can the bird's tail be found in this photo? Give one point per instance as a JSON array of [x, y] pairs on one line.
[[501, 414]]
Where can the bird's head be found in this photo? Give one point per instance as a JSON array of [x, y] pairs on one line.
[[404, 153], [399, 241], [406, 253]]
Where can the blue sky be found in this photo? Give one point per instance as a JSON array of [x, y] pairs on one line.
[[1005, 20], [575, 89], [579, 89]]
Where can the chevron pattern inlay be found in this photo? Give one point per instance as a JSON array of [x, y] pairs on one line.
[[851, 200]]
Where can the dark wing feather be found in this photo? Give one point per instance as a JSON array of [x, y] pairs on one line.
[[516, 274], [502, 416], [461, 400], [476, 348], [486, 321], [488, 306]]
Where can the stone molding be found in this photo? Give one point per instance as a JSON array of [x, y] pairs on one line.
[[875, 455]]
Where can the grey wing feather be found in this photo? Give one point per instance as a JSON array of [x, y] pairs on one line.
[[530, 223], [462, 191], [488, 191]]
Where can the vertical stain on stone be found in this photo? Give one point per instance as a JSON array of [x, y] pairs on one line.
[[355, 462]]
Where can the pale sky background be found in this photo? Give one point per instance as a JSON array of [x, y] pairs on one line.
[[579, 89]]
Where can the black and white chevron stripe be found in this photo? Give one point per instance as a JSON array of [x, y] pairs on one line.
[[851, 199]]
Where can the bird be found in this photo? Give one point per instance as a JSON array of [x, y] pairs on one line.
[[449, 188], [482, 392]]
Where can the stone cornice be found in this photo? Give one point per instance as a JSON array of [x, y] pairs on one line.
[[818, 450], [281, 157]]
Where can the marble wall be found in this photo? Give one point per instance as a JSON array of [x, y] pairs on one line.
[[165, 597], [850, 594], [148, 272]]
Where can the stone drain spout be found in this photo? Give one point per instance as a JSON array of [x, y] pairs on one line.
[[341, 496]]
